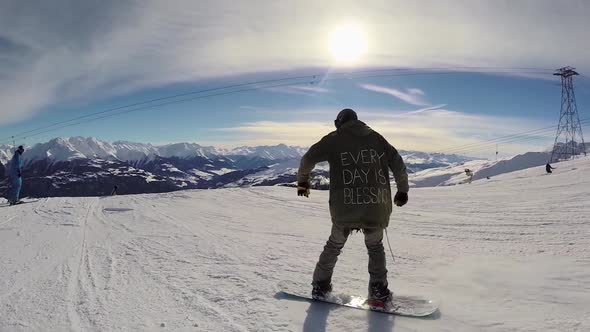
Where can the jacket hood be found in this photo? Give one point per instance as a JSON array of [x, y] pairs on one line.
[[356, 128]]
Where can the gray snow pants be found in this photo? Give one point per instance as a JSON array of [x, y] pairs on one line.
[[373, 241]]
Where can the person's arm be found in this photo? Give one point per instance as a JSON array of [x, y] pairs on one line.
[[316, 153], [398, 168]]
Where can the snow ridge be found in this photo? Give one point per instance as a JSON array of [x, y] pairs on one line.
[[69, 148]]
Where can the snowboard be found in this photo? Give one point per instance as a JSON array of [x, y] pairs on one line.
[[403, 305]]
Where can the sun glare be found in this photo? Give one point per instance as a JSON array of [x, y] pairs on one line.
[[348, 44]]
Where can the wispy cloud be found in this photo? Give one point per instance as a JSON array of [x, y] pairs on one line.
[[273, 132], [411, 96], [308, 90], [433, 130], [398, 114], [79, 50]]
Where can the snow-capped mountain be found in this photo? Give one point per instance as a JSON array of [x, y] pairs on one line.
[[417, 161], [286, 171], [5, 154], [65, 149], [132, 151], [276, 152], [79, 166], [187, 150]]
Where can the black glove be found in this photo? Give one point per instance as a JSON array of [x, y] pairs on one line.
[[19, 174], [400, 198], [303, 189]]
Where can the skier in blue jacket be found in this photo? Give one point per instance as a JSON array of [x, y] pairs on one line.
[[16, 180]]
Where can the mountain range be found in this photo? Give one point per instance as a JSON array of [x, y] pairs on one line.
[[86, 166]]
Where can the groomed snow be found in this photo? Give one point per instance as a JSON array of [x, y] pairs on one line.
[[507, 254]]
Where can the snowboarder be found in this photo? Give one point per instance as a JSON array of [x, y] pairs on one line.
[[548, 168], [16, 180], [360, 197]]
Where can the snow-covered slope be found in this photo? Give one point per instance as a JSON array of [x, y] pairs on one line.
[[508, 254], [455, 174], [519, 162]]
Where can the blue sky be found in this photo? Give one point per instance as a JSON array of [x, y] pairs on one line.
[[72, 59]]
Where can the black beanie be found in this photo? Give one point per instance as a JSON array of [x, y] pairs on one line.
[[344, 116]]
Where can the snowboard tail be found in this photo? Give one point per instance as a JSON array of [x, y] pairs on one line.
[[414, 306]]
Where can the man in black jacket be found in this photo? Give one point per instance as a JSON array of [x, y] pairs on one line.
[[360, 196]]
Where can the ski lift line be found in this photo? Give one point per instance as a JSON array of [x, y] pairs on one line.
[[421, 73], [533, 139], [475, 68], [538, 135], [501, 138], [514, 138], [535, 134], [524, 140], [90, 117], [87, 120], [114, 109], [313, 76], [227, 87], [459, 70], [508, 136], [490, 146], [418, 71]]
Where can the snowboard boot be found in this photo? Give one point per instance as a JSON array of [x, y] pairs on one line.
[[321, 289], [379, 295]]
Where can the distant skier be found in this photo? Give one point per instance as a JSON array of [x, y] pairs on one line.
[[16, 180], [360, 197], [548, 168], [114, 192], [469, 174]]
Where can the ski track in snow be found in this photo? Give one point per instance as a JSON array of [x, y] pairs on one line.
[[507, 254]]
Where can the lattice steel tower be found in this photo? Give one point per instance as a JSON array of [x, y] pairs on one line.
[[569, 140]]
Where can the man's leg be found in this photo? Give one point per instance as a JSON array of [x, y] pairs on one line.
[[17, 190], [12, 192], [374, 243], [325, 266]]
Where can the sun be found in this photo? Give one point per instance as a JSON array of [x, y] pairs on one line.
[[348, 44]]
